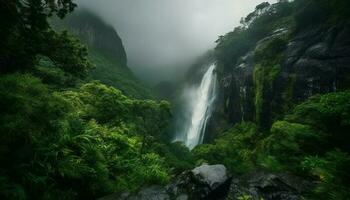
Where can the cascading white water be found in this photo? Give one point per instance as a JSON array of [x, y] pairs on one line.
[[202, 106]]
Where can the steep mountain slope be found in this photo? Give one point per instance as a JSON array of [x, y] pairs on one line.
[[276, 60], [106, 51], [284, 106]]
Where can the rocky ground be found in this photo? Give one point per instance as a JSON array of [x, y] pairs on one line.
[[215, 182]]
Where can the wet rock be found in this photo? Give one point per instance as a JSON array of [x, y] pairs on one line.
[[316, 61], [319, 51], [268, 186], [149, 193], [204, 182], [211, 175]]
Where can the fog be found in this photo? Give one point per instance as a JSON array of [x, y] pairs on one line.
[[163, 37]]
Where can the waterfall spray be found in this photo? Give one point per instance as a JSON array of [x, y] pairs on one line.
[[201, 107]]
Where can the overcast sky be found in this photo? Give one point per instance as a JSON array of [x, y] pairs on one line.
[[162, 37]]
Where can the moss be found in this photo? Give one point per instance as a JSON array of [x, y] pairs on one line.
[[264, 77], [234, 148], [266, 71], [288, 93], [259, 88]]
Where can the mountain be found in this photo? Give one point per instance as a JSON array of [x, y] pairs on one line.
[[276, 60], [283, 107], [106, 51]]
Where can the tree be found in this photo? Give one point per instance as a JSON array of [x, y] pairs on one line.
[[154, 119], [25, 28]]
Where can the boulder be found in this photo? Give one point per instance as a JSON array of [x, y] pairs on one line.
[[213, 182], [204, 182], [149, 193], [268, 186], [211, 175]]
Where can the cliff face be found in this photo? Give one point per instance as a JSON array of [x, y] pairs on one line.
[[97, 34], [312, 61], [106, 50]]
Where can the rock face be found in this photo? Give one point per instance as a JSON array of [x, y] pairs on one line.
[[106, 51], [204, 182], [150, 193], [213, 182], [268, 186], [211, 175], [97, 34], [315, 60]]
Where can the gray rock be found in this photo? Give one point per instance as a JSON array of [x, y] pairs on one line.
[[213, 182], [269, 186], [182, 197], [149, 193], [212, 175], [204, 182], [319, 51], [315, 61]]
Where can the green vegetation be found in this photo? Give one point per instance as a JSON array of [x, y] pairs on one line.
[[311, 141], [110, 72], [254, 27], [64, 135], [265, 33], [89, 141], [26, 34], [268, 58], [316, 12], [233, 148], [106, 51]]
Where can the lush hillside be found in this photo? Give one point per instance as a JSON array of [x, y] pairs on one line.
[[106, 51], [63, 134], [284, 77], [75, 124], [277, 58]]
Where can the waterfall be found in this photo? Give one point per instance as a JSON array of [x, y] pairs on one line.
[[201, 107]]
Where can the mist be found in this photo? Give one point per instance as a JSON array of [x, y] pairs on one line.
[[162, 38]]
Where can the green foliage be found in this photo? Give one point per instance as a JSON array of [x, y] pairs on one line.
[[67, 53], [52, 75], [264, 77], [60, 145], [287, 144], [311, 141], [329, 113], [268, 59], [257, 34], [316, 12], [112, 73], [245, 197], [332, 172], [177, 155], [105, 104], [269, 51], [106, 51], [234, 149], [25, 30], [257, 25], [314, 127], [231, 46], [59, 141]]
